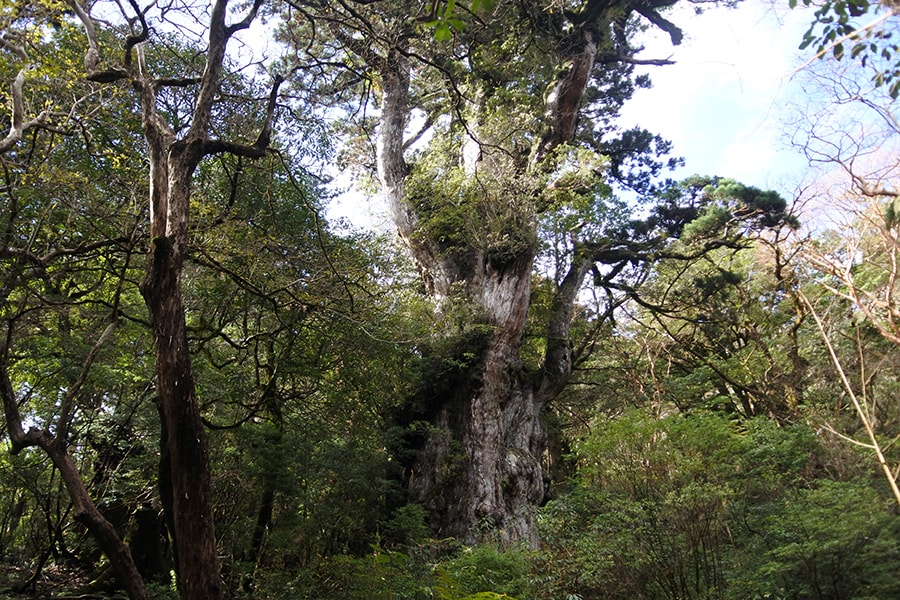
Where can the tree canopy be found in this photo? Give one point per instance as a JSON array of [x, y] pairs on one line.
[[562, 375]]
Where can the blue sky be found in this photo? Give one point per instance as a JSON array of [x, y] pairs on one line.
[[724, 102]]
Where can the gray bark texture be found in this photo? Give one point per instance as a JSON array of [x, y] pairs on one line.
[[172, 163], [479, 471]]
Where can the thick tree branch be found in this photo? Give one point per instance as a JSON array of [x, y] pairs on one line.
[[246, 21], [245, 150], [13, 46], [265, 133], [18, 125], [358, 47], [212, 72], [92, 55], [259, 148], [612, 58], [175, 82], [563, 101], [557, 366], [675, 33]]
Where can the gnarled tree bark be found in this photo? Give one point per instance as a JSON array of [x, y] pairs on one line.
[[479, 471]]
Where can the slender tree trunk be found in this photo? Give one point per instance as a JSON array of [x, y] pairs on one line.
[[86, 511], [87, 514], [263, 522], [191, 484]]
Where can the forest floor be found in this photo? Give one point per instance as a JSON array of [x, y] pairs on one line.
[[54, 583]]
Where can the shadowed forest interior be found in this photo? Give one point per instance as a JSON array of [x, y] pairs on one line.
[[557, 374]]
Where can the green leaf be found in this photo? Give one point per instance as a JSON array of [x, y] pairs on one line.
[[483, 5], [442, 32], [808, 38]]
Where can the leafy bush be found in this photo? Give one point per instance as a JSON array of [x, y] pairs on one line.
[[484, 572], [700, 506], [835, 540]]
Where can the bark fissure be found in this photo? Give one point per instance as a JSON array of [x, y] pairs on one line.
[[479, 470], [186, 484]]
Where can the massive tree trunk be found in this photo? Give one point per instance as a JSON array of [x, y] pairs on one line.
[[478, 470]]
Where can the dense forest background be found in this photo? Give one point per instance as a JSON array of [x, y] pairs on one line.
[[560, 376]]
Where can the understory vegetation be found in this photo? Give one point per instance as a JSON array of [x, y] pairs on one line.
[[559, 376]]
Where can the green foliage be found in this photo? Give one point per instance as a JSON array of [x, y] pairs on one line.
[[483, 573], [727, 201], [721, 333], [381, 575], [708, 223], [833, 540], [445, 20], [406, 526], [424, 573], [699, 506], [834, 28], [306, 345], [461, 216]]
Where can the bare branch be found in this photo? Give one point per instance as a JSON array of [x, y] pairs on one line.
[[866, 422], [259, 147], [212, 73], [265, 134], [92, 56], [558, 357], [631, 60], [246, 150], [675, 33], [175, 82], [246, 21]]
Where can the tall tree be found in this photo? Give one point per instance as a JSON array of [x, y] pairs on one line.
[[175, 150], [485, 126], [65, 275]]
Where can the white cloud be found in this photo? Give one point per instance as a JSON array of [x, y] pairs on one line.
[[720, 102]]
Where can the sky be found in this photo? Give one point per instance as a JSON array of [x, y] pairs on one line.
[[722, 104], [725, 101]]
